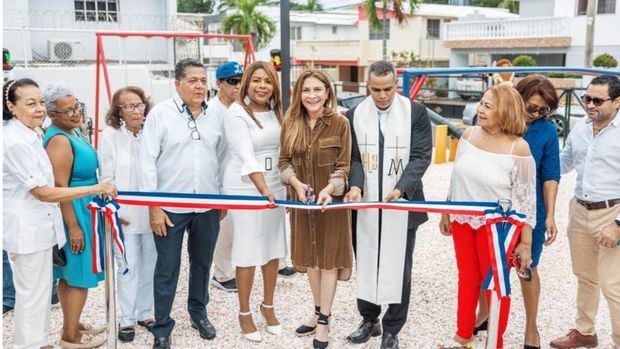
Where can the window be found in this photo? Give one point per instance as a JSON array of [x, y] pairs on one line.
[[334, 29], [295, 33], [432, 28], [377, 34], [603, 6], [96, 11]]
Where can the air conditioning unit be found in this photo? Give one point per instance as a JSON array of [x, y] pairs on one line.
[[65, 50]]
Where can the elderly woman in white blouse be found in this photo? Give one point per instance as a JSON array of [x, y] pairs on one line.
[[32, 219], [493, 162], [118, 160]]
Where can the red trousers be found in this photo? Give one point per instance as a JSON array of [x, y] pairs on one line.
[[472, 259]]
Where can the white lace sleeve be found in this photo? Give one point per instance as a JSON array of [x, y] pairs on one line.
[[523, 196]]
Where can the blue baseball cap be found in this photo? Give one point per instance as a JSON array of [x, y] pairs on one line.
[[228, 70]]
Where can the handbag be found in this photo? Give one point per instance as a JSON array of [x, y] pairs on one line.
[[59, 258]]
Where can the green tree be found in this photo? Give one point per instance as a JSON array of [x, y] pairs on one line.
[[247, 20], [524, 61], [195, 6], [511, 5], [397, 6], [605, 61], [311, 6]]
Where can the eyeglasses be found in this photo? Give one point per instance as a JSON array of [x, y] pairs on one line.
[[131, 107], [191, 123], [72, 112], [233, 81], [586, 99], [540, 111]]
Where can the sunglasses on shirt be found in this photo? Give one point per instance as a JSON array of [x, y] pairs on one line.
[[233, 81], [586, 99]]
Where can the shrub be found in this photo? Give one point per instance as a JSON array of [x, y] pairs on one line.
[[605, 61], [564, 76], [524, 61]]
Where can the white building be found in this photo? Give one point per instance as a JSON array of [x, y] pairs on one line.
[[62, 31], [552, 31]]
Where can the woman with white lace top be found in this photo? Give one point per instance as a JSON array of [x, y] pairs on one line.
[[493, 162]]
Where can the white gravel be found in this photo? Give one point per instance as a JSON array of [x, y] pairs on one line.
[[432, 312]]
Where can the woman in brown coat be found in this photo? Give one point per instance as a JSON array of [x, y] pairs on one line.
[[315, 152]]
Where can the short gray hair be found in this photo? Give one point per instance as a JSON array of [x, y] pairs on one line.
[[381, 68], [55, 91]]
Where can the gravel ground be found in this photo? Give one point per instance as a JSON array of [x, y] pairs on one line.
[[432, 312]]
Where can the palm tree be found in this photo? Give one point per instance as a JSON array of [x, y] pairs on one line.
[[311, 6], [247, 20], [399, 13]]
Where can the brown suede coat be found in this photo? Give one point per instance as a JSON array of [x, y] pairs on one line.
[[321, 239]]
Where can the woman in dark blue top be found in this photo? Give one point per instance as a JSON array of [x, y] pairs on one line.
[[541, 100]]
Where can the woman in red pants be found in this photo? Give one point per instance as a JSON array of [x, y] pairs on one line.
[[493, 162]]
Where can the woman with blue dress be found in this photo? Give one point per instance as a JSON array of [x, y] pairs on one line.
[[74, 163]]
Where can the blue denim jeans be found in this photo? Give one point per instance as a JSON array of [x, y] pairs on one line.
[[8, 291]]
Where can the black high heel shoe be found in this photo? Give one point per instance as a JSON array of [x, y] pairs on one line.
[[482, 327], [323, 320], [305, 330]]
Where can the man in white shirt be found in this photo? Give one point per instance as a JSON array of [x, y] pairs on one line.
[[181, 152], [593, 150], [228, 77]]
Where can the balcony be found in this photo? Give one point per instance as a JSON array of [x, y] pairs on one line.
[[327, 52], [525, 32]]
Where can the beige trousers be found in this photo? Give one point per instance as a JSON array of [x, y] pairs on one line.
[[597, 268], [223, 269]]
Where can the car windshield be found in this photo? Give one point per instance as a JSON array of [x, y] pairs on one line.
[[352, 102]]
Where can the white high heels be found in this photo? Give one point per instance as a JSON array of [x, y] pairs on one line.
[[253, 336], [276, 329]]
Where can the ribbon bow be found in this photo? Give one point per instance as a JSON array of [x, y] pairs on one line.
[[108, 209]]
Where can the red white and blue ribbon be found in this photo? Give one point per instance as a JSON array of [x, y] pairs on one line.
[[109, 210], [504, 233], [242, 202]]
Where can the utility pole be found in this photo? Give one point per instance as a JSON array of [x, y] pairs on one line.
[[590, 17], [285, 52]]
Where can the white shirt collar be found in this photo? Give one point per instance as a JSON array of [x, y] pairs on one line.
[[182, 106], [23, 132]]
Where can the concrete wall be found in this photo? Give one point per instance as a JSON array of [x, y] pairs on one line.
[[537, 8]]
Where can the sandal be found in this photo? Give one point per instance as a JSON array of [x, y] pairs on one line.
[[452, 344], [92, 330], [146, 323], [126, 334]]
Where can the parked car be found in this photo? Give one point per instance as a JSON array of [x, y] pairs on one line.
[[576, 114], [469, 86], [348, 100]]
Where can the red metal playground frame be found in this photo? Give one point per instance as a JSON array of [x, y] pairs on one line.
[[101, 63]]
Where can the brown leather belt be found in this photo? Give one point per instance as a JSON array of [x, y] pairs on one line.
[[590, 205]]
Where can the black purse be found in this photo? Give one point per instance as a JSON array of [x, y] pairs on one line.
[[59, 258]]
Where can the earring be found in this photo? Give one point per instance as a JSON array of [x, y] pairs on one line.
[[246, 100]]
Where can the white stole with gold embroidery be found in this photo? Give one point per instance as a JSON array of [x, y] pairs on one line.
[[380, 270]]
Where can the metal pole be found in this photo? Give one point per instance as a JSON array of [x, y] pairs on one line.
[[590, 16], [110, 293], [285, 52]]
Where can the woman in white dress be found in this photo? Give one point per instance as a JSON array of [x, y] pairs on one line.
[[118, 158], [259, 239]]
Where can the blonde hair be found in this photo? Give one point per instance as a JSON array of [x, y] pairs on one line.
[[509, 108], [296, 132], [275, 102]]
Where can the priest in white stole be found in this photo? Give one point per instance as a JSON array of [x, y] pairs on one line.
[[391, 150]]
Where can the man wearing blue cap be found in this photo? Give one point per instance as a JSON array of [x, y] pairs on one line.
[[228, 77]]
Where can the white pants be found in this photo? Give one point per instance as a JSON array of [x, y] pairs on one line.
[[32, 277], [135, 288], [223, 270]]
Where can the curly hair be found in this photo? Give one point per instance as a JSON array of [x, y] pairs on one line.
[[113, 117]]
